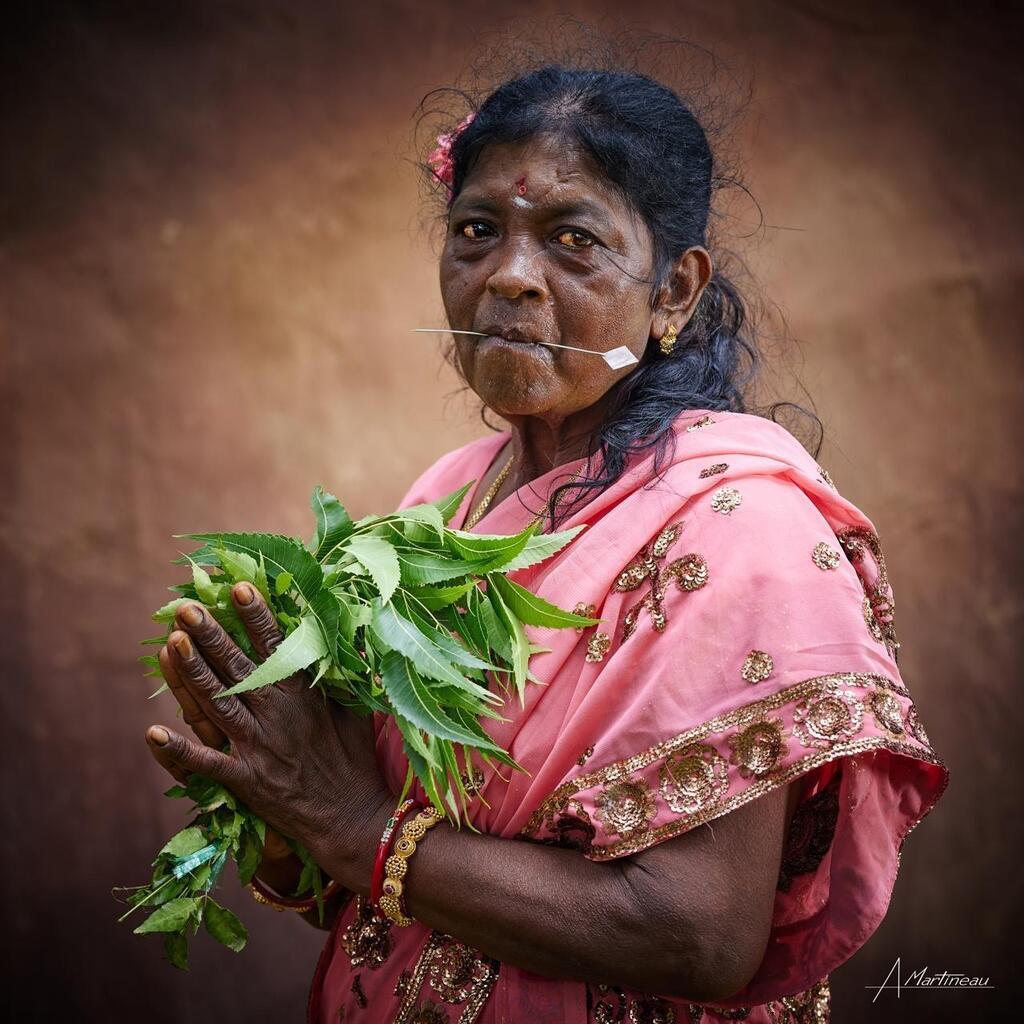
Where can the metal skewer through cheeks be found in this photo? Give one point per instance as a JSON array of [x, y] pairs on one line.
[[616, 358]]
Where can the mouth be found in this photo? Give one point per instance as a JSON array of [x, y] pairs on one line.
[[512, 335]]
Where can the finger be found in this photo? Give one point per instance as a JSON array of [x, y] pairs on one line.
[[219, 651], [257, 618], [195, 757], [192, 713], [229, 713], [165, 760]]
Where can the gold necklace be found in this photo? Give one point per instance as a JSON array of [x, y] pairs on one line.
[[478, 512]]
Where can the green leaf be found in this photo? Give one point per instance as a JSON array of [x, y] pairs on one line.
[[534, 610], [176, 949], [422, 523], [282, 583], [412, 698], [171, 917], [244, 568], [398, 633], [431, 597], [224, 926], [541, 547], [250, 854], [419, 568], [380, 560], [298, 650], [494, 550], [281, 554], [451, 503], [520, 643], [166, 613], [187, 841], [208, 591], [333, 524]]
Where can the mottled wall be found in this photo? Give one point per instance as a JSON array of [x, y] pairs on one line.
[[212, 253]]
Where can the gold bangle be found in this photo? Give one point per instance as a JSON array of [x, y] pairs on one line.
[[396, 866], [329, 890]]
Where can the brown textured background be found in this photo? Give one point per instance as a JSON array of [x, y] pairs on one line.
[[211, 257]]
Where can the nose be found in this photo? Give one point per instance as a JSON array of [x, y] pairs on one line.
[[518, 273]]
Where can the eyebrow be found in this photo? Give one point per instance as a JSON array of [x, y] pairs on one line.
[[568, 208]]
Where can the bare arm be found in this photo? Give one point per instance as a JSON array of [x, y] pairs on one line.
[[687, 918]]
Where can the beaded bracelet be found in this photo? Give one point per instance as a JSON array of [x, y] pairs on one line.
[[397, 865], [262, 893], [384, 846]]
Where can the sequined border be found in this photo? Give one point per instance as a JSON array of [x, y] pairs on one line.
[[748, 713], [407, 1010]]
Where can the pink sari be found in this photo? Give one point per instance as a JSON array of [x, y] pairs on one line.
[[746, 641]]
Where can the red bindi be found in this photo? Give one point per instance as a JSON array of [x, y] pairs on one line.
[[521, 186]]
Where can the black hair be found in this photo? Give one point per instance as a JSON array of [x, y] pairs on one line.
[[655, 152]]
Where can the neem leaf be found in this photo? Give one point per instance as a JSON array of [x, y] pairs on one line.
[[187, 841], [532, 609], [450, 503], [541, 547], [208, 591], [380, 560], [397, 632], [171, 917], [494, 550], [281, 554], [520, 643], [176, 949], [242, 567], [166, 613], [422, 567], [333, 523], [298, 650], [224, 926], [412, 698]]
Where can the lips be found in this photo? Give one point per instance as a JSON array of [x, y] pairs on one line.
[[514, 334]]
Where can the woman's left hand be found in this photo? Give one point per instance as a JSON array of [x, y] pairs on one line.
[[299, 760]]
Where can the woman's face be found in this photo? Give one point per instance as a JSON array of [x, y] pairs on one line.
[[538, 247]]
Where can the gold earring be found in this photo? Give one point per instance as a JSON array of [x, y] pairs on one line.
[[668, 340]]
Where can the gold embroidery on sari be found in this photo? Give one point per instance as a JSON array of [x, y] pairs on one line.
[[826, 477], [693, 779], [597, 646], [459, 976], [714, 470], [830, 716], [725, 499], [625, 806], [879, 606], [758, 748], [810, 833], [914, 726], [757, 667], [690, 573], [588, 611], [357, 991], [821, 720], [886, 710], [367, 938], [825, 557], [585, 756]]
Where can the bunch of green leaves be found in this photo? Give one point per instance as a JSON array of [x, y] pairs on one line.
[[397, 614]]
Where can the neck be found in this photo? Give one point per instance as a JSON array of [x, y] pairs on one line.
[[541, 444]]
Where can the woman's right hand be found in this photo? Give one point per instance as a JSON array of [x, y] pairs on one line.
[[275, 848]]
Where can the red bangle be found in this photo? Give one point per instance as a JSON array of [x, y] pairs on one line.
[[276, 900], [384, 847]]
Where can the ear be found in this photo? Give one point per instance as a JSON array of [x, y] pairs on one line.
[[679, 296]]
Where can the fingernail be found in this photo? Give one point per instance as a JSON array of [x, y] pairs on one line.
[[244, 594], [191, 615], [185, 648], [159, 736]]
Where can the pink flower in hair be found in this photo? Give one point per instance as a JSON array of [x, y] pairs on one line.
[[440, 159]]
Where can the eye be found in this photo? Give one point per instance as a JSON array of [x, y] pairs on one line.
[[468, 228], [576, 236]]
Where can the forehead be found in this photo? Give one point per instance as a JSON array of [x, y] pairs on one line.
[[556, 173]]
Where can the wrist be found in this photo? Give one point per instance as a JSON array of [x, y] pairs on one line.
[[346, 850]]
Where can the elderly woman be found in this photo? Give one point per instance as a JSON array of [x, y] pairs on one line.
[[719, 776]]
